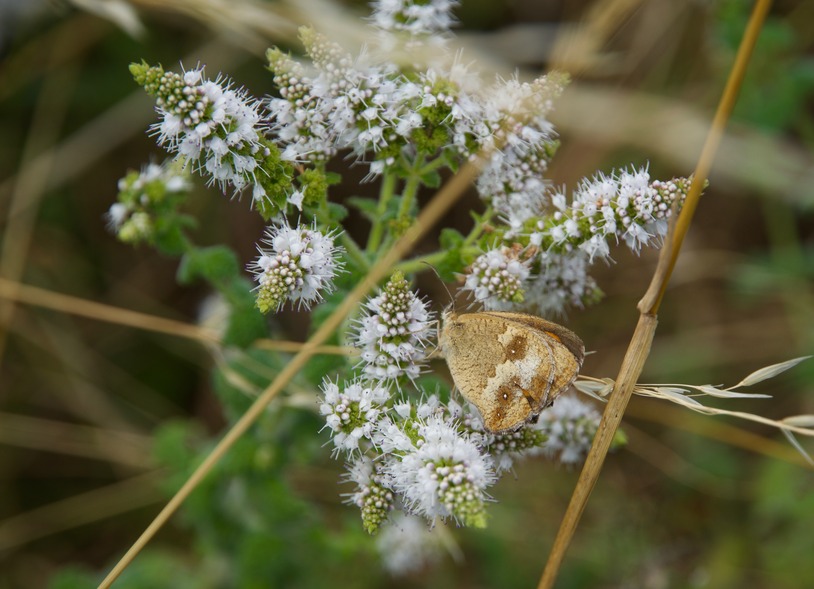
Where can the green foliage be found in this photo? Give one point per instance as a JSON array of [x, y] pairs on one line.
[[779, 83], [454, 260], [218, 265]]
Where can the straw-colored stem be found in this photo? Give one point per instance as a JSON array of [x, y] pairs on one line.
[[428, 217], [639, 347], [32, 295], [40, 297]]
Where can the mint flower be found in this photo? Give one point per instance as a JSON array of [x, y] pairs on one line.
[[394, 332], [570, 426], [415, 17], [373, 498], [299, 266], [445, 476], [409, 544], [210, 124], [352, 413], [144, 199], [496, 278], [521, 142], [625, 206], [562, 281]]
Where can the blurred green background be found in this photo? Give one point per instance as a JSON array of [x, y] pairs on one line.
[[99, 422]]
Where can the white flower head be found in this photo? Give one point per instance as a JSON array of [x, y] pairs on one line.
[[216, 127], [145, 196], [409, 544], [416, 17], [497, 278], [445, 476], [562, 282], [372, 497], [394, 333], [569, 426], [299, 265], [352, 413]]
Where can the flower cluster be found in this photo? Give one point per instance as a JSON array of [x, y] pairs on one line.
[[388, 116], [145, 199], [393, 334], [558, 248], [569, 426], [407, 545], [497, 278], [433, 458], [208, 123], [372, 497], [627, 206], [299, 266], [445, 476], [414, 17], [352, 413]]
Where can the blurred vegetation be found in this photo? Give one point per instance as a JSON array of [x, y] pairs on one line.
[[99, 423]]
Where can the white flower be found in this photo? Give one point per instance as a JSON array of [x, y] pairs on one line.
[[393, 334], [408, 545], [414, 17], [143, 197], [216, 127], [299, 266], [497, 278], [570, 425], [446, 476], [374, 500], [352, 413], [562, 281]]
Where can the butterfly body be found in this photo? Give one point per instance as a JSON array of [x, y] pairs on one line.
[[510, 366]]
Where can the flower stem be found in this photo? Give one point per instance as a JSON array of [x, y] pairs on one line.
[[478, 228], [411, 188], [374, 240], [421, 262], [354, 251]]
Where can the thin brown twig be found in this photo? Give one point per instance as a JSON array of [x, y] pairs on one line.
[[639, 347], [441, 203], [40, 297]]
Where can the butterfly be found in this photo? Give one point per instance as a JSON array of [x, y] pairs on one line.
[[510, 366]]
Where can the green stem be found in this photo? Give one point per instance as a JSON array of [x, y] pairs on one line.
[[374, 240], [411, 187], [350, 245], [478, 228], [420, 263], [432, 165], [354, 251]]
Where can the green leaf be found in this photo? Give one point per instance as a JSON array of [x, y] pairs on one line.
[[216, 264], [452, 265], [450, 238], [367, 206], [337, 212], [431, 179]]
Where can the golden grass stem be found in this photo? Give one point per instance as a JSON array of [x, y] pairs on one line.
[[639, 347], [40, 297], [441, 203]]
